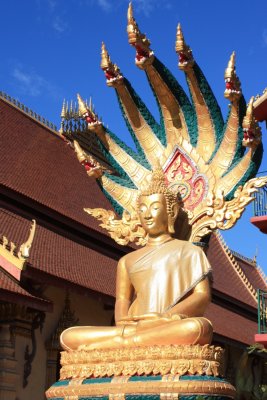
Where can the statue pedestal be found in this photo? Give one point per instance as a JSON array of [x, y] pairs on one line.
[[154, 372]]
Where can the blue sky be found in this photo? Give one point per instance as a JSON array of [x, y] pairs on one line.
[[50, 50]]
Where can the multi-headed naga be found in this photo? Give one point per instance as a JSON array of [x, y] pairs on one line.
[[208, 163]]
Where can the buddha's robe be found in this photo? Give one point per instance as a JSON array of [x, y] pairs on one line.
[[165, 275]]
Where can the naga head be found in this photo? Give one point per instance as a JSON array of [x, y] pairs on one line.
[[157, 205], [87, 113], [93, 168], [251, 129], [144, 55], [232, 83], [111, 70], [186, 59]]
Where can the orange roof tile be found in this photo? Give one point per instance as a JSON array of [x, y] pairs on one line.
[[231, 325], [226, 278]]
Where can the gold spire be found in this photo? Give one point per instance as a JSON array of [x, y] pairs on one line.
[[63, 111], [132, 27], [105, 58], [229, 71], [81, 105], [180, 43], [183, 50], [111, 70], [134, 33]]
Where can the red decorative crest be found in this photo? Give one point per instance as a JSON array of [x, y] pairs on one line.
[[182, 177]]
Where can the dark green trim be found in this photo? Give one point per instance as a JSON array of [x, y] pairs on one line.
[[64, 382], [144, 378], [117, 207], [91, 381], [181, 97], [201, 378], [94, 398], [148, 117], [142, 397], [127, 180]]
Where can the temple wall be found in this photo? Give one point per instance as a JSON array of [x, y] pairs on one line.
[[89, 310]]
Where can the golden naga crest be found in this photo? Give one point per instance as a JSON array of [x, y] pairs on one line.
[[208, 162]]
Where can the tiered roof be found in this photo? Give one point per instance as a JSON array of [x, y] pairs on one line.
[[41, 179]]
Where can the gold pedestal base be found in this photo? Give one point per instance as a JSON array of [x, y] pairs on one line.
[[159, 371]]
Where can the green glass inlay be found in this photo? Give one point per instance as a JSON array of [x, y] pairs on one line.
[[96, 380], [201, 378], [145, 378], [142, 397], [62, 383], [94, 398]]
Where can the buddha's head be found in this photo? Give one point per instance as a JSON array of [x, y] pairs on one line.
[[157, 206]]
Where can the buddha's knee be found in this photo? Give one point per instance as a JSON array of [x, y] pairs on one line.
[[203, 330], [66, 339]]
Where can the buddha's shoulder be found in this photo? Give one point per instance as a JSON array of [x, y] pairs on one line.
[[133, 256], [186, 246]]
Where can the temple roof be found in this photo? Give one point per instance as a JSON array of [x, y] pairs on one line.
[[56, 258], [231, 325], [38, 164], [10, 290], [226, 270]]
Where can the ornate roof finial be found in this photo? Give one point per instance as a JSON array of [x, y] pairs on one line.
[[111, 70], [183, 50], [232, 83], [24, 250], [63, 111], [16, 262], [251, 129]]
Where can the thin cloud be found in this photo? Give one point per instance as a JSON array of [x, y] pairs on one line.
[[147, 6], [264, 37], [104, 4], [59, 25], [32, 84]]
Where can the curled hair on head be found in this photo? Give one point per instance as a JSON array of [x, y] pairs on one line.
[[158, 185]]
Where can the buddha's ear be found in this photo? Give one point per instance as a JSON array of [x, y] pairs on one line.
[[175, 211], [172, 217]]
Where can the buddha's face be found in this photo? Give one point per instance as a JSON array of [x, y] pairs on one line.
[[153, 214]]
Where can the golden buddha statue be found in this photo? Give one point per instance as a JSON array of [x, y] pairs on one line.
[[162, 289]]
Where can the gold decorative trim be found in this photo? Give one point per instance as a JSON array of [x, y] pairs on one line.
[[148, 387], [30, 113], [192, 359], [7, 250]]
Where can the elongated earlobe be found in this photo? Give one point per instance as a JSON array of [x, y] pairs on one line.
[[172, 217]]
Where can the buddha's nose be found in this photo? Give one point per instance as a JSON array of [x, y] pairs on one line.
[[148, 214]]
